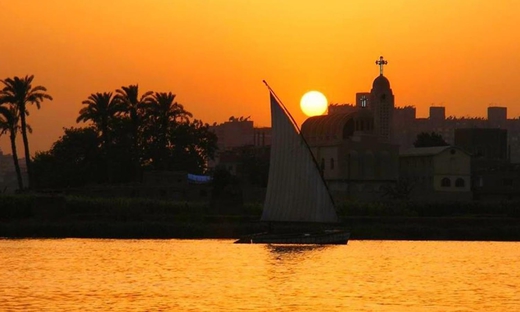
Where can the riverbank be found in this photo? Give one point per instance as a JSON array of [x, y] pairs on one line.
[[362, 228], [37, 216]]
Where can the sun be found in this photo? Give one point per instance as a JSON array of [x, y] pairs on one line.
[[313, 103]]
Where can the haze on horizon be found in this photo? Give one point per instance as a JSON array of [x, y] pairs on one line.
[[214, 54]]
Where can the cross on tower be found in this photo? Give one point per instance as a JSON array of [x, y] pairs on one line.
[[381, 62]]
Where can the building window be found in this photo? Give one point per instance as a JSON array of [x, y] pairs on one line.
[[332, 163], [363, 101], [459, 182], [445, 182]]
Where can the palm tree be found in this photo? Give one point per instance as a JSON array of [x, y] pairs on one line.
[[20, 92], [101, 109], [132, 105], [166, 113], [9, 123]]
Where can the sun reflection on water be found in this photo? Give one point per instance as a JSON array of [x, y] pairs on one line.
[[216, 275]]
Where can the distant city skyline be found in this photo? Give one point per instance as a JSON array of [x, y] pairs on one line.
[[214, 54]]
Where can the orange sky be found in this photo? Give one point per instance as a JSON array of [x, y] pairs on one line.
[[214, 53]]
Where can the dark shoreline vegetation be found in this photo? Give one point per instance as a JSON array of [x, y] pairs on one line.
[[126, 134], [51, 216]]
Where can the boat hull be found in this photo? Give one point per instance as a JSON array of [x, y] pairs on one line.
[[334, 237]]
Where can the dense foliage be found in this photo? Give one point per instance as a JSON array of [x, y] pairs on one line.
[[425, 139], [127, 133]]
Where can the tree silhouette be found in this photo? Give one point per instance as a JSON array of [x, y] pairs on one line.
[[164, 114], [192, 145], [241, 118], [73, 160], [101, 109], [425, 139], [20, 92], [9, 124], [152, 126], [133, 105]]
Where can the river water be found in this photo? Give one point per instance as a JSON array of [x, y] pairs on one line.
[[216, 275]]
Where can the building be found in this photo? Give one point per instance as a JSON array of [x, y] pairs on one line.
[[382, 104], [342, 108], [352, 147], [501, 182], [493, 177], [356, 163], [486, 144], [497, 117], [357, 145], [363, 100], [262, 136], [436, 173], [406, 126], [234, 133]]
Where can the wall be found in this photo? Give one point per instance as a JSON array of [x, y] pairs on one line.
[[452, 163]]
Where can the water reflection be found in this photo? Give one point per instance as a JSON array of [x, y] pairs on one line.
[[217, 275], [288, 263], [292, 251]]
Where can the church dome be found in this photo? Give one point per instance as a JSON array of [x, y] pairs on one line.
[[337, 126], [325, 127], [381, 83]]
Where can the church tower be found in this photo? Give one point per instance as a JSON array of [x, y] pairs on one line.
[[382, 103]]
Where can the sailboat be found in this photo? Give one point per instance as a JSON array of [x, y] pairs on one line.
[[297, 201]]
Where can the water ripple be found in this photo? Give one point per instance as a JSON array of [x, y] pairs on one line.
[[216, 275]]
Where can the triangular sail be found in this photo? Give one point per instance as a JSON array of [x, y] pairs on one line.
[[296, 191]]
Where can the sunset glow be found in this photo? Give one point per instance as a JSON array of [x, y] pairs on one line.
[[214, 54]]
